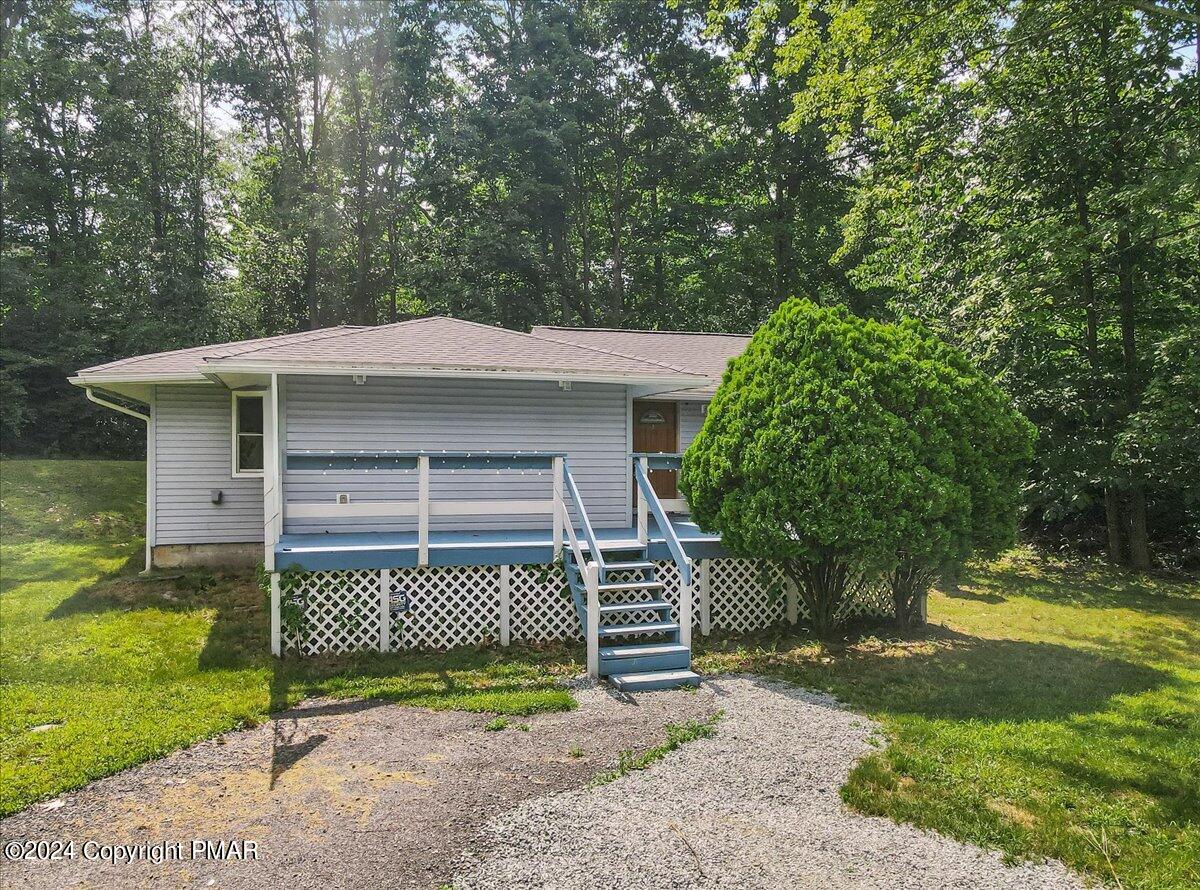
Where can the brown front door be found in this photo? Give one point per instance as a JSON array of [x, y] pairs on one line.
[[656, 429]]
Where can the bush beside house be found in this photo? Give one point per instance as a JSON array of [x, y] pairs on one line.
[[847, 448]]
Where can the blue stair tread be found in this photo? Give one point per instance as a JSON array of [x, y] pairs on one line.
[[641, 650], [652, 627], [628, 566], [628, 544], [635, 606], [654, 680], [629, 586]]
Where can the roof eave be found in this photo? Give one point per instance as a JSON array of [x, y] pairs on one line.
[[83, 378], [681, 381]]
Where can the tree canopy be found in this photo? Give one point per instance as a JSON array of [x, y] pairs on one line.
[[1030, 187], [1019, 174]]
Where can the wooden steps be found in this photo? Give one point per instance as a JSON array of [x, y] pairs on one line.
[[645, 653], [635, 606], [648, 680]]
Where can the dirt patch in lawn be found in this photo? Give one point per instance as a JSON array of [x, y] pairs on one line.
[[338, 793]]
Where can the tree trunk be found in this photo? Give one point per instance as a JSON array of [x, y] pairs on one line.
[[1113, 522], [823, 587], [660, 285], [1112, 506], [393, 265], [1139, 551], [311, 249], [910, 589], [1139, 539], [1139, 548], [618, 268], [199, 240], [313, 241], [585, 242]]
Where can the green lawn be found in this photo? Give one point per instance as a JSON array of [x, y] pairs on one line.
[[1054, 708], [101, 669]]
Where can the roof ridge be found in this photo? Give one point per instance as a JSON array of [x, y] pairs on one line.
[[133, 360], [556, 327]]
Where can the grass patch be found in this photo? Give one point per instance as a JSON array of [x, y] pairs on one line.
[[1054, 710], [101, 669], [678, 734]]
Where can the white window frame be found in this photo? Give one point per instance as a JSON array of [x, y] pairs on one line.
[[233, 428]]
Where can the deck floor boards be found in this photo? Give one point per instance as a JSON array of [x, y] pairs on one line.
[[377, 550]]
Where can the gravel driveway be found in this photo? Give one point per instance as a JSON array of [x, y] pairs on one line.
[[755, 806], [342, 794], [337, 793]]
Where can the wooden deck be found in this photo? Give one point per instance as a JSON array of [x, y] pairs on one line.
[[390, 550]]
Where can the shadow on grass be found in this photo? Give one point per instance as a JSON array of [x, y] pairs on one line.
[[239, 639], [962, 593], [516, 680], [1081, 583], [944, 674]]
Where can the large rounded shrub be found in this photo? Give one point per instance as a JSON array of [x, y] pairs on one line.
[[845, 448]]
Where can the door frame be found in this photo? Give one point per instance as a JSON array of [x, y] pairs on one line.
[[631, 500]]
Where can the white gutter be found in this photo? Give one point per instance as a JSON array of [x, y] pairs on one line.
[[676, 380], [86, 380], [92, 397]]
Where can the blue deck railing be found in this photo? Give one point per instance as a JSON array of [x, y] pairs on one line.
[[423, 507], [411, 460]]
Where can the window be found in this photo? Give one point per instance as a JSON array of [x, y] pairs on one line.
[[247, 434]]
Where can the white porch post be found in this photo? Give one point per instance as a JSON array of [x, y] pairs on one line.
[[151, 478], [685, 606], [385, 610], [272, 476], [591, 579], [423, 510], [560, 510], [505, 607], [276, 628], [705, 598], [643, 508]]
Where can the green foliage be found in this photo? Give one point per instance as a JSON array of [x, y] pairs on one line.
[[1030, 190], [843, 444], [1020, 175], [1161, 441], [205, 171]]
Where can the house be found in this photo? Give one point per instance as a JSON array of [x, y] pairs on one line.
[[417, 484]]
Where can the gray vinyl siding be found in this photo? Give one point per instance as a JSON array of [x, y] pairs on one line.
[[331, 412], [193, 456], [691, 418]]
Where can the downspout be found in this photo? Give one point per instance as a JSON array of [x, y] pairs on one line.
[[105, 403], [150, 482]]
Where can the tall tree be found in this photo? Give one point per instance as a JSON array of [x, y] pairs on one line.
[[1029, 185]]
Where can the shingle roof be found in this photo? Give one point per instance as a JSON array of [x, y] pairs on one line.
[[699, 353], [435, 343], [187, 361]]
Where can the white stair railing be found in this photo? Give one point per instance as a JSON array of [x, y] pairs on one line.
[[674, 545], [590, 570]]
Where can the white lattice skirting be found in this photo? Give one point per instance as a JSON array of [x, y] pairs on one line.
[[344, 611]]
